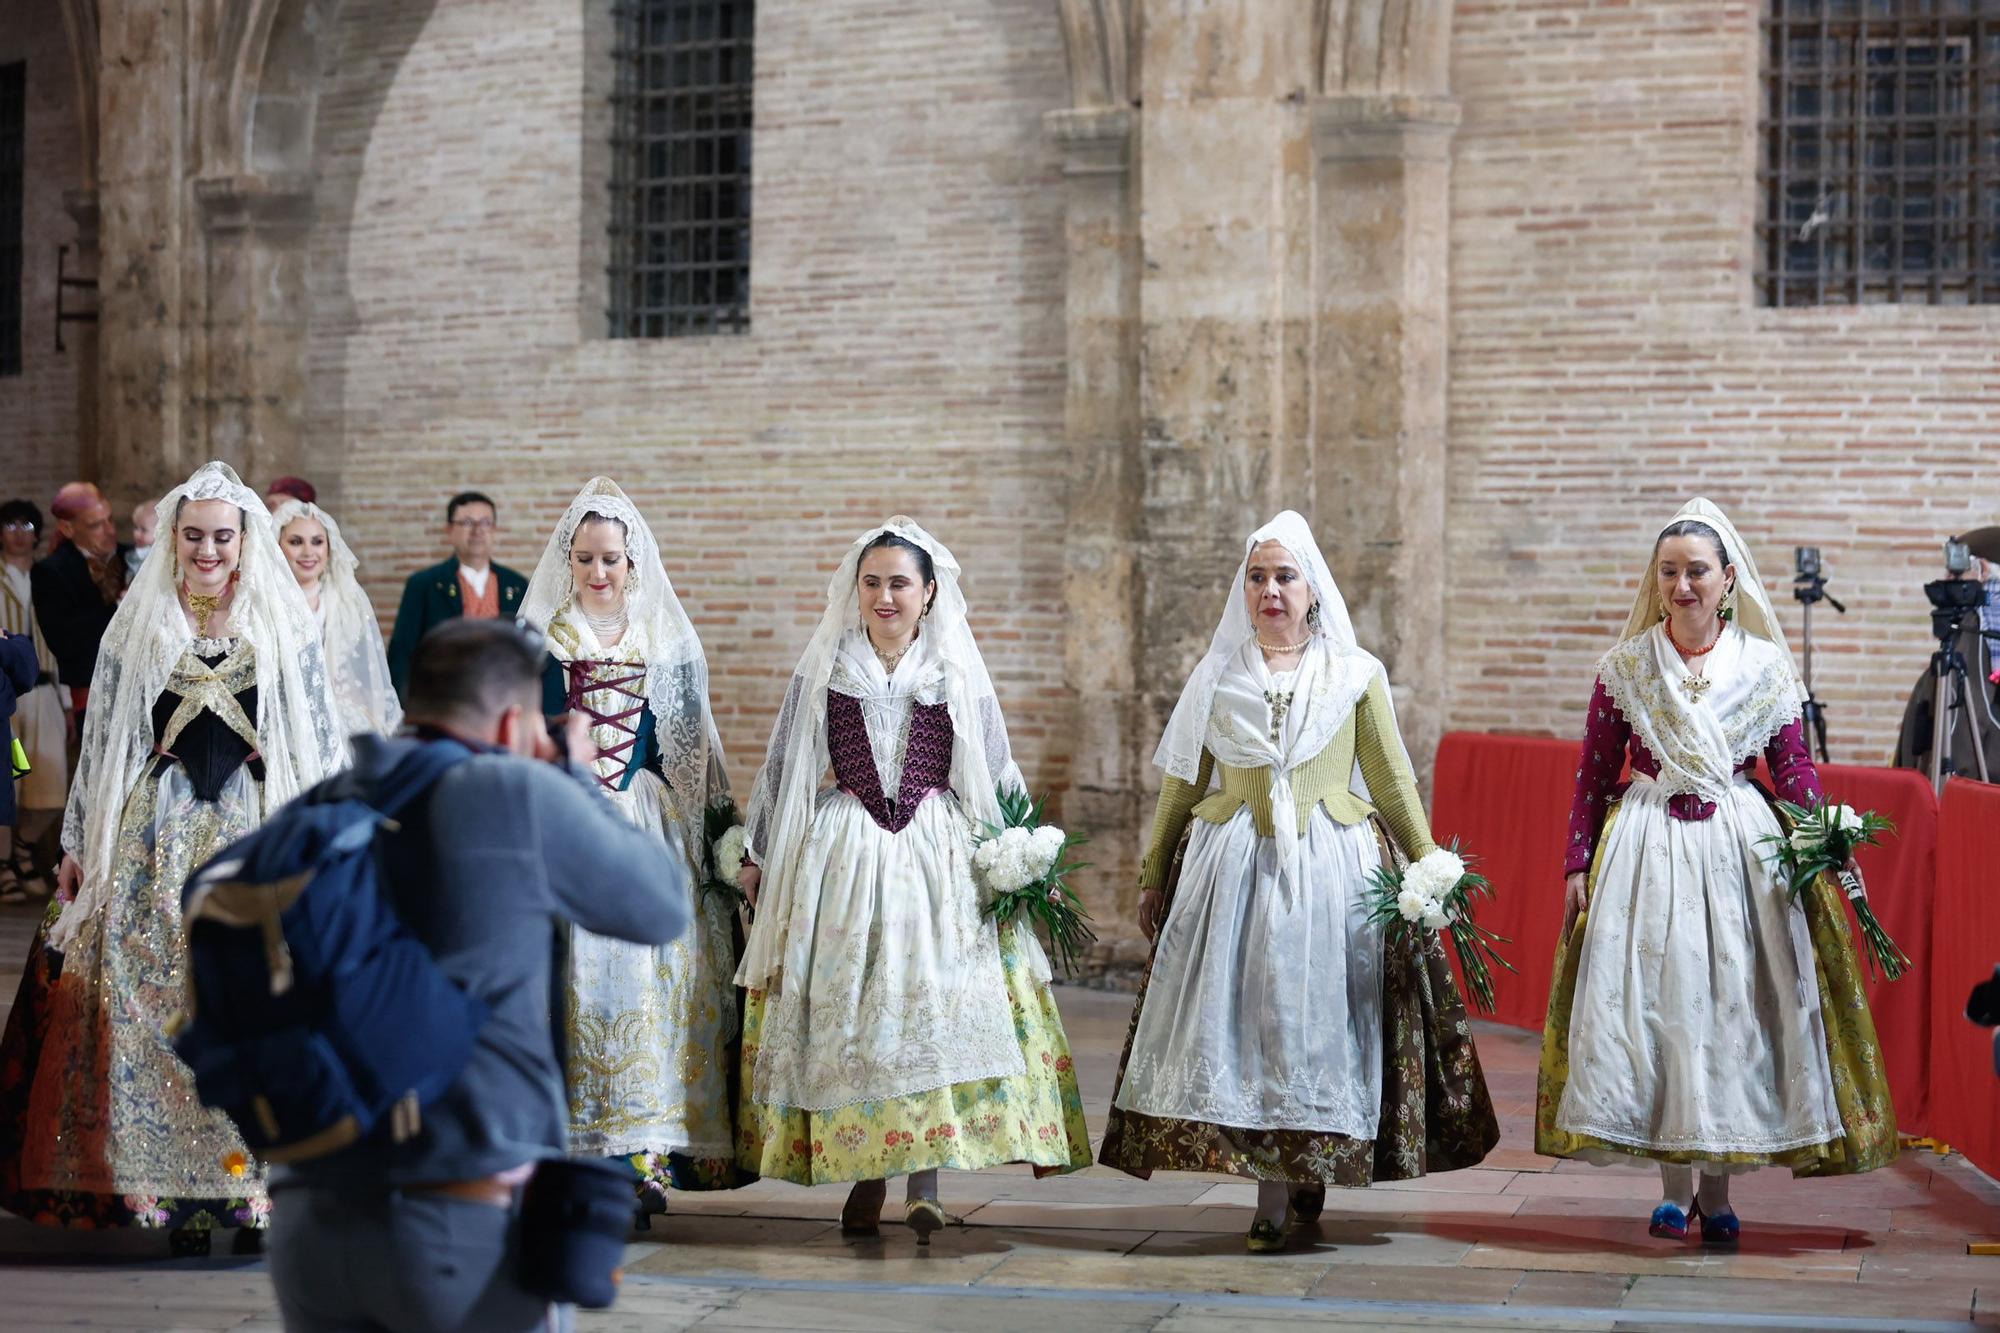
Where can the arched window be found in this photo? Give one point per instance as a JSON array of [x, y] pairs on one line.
[[680, 174], [1881, 152]]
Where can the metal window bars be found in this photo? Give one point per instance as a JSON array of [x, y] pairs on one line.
[[13, 154], [680, 187], [1880, 156]]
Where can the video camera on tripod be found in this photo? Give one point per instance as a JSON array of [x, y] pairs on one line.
[[1809, 587], [1952, 599]]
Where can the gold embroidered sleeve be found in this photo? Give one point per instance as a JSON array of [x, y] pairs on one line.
[[1177, 802], [1391, 784]]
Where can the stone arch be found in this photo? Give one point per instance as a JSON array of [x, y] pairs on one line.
[[1368, 47], [80, 23], [259, 113], [1098, 41]]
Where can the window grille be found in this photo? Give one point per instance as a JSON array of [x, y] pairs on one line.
[[1880, 162], [680, 214], [13, 150]]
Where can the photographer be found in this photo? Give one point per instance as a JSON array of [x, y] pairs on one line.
[[1976, 641], [486, 869]]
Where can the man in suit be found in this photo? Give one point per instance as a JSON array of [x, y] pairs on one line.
[[78, 585], [469, 584]]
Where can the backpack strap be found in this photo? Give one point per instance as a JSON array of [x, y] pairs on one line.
[[415, 776]]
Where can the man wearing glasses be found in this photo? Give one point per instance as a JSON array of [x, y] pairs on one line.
[[469, 584]]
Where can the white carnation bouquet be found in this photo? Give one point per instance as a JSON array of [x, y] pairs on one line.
[[1021, 864], [1435, 893], [1821, 840], [727, 849]]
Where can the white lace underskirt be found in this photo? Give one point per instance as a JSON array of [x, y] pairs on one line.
[[904, 991], [1260, 1016], [1696, 1024]]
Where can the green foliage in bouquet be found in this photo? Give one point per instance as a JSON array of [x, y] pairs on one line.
[[1024, 865], [1437, 893], [1818, 840]]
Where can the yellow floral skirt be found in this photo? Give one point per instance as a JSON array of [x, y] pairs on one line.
[[1034, 1117], [1853, 1055]]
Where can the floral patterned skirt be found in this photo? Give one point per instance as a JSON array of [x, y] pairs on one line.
[[1436, 1113], [1867, 1134], [1034, 1117], [99, 1123]]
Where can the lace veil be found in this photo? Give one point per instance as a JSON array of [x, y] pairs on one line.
[[298, 728], [355, 658], [658, 630], [787, 787]]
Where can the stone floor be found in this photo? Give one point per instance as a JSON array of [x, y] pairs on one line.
[[1522, 1242]]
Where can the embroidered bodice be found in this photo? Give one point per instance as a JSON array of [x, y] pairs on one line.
[[611, 692], [206, 718], [889, 752], [1608, 740]]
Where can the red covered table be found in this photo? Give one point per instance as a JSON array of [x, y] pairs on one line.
[[1965, 1095], [1507, 799]]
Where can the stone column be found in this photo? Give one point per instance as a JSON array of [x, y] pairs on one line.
[[252, 410], [81, 336], [1101, 580], [1382, 201]]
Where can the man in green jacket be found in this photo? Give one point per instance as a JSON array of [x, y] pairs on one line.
[[469, 584]]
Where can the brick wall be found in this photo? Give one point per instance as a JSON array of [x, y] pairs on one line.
[[907, 344], [1608, 360], [38, 446]]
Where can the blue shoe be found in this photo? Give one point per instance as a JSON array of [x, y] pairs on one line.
[[1669, 1222], [1721, 1230]]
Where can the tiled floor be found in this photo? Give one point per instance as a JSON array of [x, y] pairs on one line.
[[1522, 1242]]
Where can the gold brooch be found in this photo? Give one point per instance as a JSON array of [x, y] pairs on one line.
[[1696, 686]]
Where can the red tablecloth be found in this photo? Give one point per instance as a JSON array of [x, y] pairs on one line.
[[1507, 798], [1965, 1095]]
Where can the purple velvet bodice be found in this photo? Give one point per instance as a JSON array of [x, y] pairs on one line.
[[926, 759], [1607, 736]]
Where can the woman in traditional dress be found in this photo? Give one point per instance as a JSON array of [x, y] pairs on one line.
[[1276, 1035], [355, 660], [891, 1028], [651, 1030], [1699, 1017], [41, 722], [209, 708]]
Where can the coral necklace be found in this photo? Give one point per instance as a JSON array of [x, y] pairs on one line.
[[1693, 652]]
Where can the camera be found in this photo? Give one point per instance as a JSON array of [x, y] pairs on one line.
[[1957, 557], [1805, 562]]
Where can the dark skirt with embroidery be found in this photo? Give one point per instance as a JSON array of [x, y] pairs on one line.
[[1436, 1112]]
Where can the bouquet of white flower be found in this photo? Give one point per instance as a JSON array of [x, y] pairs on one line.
[[1821, 840], [1435, 893], [1022, 863], [726, 852]]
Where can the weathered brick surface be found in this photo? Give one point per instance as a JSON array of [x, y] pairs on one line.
[[907, 343], [38, 407], [1608, 360]]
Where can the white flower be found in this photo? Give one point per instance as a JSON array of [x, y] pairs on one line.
[[1047, 842], [729, 854], [1844, 818], [1807, 837], [1435, 917], [1411, 904], [1435, 874]]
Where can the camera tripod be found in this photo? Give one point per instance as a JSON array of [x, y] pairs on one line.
[[1810, 589], [1951, 688]]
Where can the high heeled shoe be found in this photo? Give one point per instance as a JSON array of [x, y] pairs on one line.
[[864, 1221], [1268, 1237], [1721, 1229], [188, 1242], [650, 1201], [1669, 1222], [924, 1216], [1308, 1202]]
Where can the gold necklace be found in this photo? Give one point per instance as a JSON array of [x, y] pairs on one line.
[[203, 605], [889, 660], [1298, 647]]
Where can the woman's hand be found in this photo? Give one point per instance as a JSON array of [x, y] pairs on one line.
[[69, 878], [747, 879], [1151, 904], [1576, 899]]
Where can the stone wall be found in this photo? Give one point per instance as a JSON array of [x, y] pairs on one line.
[[1608, 359], [38, 408]]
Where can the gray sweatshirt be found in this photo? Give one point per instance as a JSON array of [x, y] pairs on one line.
[[487, 869]]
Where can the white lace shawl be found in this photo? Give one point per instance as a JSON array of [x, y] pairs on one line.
[[779, 819], [658, 632], [352, 637], [1699, 742], [298, 727]]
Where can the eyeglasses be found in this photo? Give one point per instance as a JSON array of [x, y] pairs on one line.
[[17, 525], [475, 524]]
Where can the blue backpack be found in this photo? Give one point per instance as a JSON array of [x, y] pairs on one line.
[[313, 1015]]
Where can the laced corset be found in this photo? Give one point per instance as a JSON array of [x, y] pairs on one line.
[[893, 765], [621, 687], [205, 720]]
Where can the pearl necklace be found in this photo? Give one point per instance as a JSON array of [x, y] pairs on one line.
[[605, 626], [890, 660], [1298, 647]]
